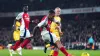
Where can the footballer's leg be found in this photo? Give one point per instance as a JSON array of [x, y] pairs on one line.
[[52, 50], [10, 50], [47, 44], [14, 52], [61, 48], [52, 38], [49, 37], [14, 47], [56, 52], [19, 50], [45, 48], [46, 38], [51, 53], [25, 42], [59, 45], [27, 39], [17, 44]]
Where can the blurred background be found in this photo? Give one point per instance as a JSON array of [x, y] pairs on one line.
[[80, 21]]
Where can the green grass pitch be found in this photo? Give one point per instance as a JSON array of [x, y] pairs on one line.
[[5, 52]]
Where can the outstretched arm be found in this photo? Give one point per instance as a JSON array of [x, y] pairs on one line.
[[59, 28]]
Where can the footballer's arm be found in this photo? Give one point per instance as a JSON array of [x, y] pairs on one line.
[[59, 27]]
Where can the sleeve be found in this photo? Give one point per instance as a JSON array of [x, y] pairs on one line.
[[19, 16], [42, 23]]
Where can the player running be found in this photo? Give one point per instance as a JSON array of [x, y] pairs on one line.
[[16, 33], [47, 35], [24, 20], [55, 28], [16, 37]]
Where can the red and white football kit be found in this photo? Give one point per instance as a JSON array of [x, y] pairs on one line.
[[45, 30], [24, 28]]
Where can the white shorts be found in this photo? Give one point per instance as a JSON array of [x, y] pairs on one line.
[[50, 37], [25, 33]]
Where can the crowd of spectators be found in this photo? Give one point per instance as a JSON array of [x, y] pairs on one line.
[[74, 31], [16, 5], [5, 36], [78, 31]]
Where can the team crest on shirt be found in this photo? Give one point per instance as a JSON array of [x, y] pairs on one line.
[[25, 16], [27, 19]]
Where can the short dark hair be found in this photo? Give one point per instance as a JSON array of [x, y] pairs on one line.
[[24, 5], [51, 11]]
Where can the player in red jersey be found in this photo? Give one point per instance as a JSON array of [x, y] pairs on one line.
[[24, 20], [47, 35]]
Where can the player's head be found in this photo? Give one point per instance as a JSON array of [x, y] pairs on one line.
[[25, 8], [57, 11], [51, 14]]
